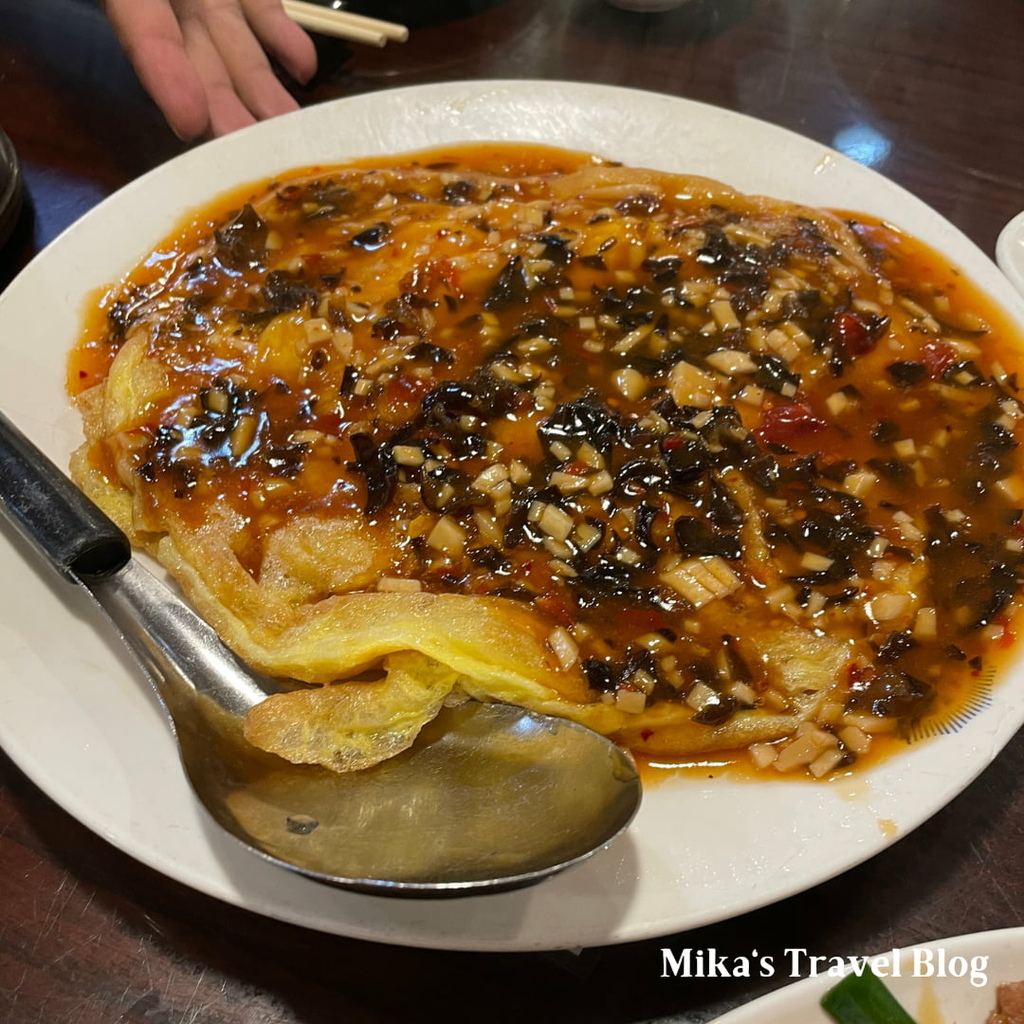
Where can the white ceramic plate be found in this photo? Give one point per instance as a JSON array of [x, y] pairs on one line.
[[77, 719], [952, 981]]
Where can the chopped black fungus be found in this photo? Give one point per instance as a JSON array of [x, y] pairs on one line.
[[600, 675], [841, 533], [686, 458], [664, 269], [696, 538], [514, 593], [447, 489], [632, 319], [584, 419], [799, 305], [639, 476], [348, 381], [372, 238], [889, 691], [743, 269], [885, 432], [285, 460], [556, 248], [550, 327], [837, 471], [774, 375], [643, 527], [717, 251], [241, 243], [630, 307], [844, 597], [896, 645], [978, 578], [482, 395], [605, 576], [222, 404], [643, 204], [905, 374], [718, 504], [963, 373], [510, 287], [489, 557], [388, 329], [426, 352], [984, 598], [718, 709], [377, 465], [735, 667], [284, 291], [319, 199], [891, 469], [458, 193], [125, 311]]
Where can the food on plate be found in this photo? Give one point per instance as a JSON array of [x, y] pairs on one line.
[[863, 998], [1009, 1004], [711, 473]]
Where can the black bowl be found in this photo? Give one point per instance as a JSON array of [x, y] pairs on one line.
[[10, 188]]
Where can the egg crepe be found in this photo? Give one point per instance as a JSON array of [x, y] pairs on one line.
[[704, 471]]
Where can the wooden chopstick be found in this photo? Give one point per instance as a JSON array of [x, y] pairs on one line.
[[357, 28]]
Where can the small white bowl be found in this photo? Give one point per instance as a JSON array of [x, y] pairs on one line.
[[1010, 252]]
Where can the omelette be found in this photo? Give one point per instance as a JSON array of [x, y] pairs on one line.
[[714, 474]]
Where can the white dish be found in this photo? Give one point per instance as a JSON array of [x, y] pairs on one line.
[[78, 720], [927, 985], [1010, 251]]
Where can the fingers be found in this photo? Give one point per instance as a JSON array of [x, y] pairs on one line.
[[281, 37], [204, 62], [232, 64], [227, 111], [149, 32]]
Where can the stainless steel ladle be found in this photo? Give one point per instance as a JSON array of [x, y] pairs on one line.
[[491, 797]]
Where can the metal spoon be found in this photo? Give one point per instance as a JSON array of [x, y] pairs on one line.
[[490, 797]]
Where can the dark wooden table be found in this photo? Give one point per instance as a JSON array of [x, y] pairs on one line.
[[931, 91]]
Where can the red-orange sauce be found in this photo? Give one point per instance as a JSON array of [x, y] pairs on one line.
[[848, 466]]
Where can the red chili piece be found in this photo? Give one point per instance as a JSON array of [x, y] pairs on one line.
[[642, 620], [850, 333], [784, 422], [938, 356]]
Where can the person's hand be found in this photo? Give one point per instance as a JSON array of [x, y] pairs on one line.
[[205, 62]]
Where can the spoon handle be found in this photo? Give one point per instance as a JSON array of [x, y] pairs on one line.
[[62, 524], [180, 652]]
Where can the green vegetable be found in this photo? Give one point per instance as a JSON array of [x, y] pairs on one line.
[[863, 999]]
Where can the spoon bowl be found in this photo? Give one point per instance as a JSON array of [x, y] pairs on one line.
[[491, 797]]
